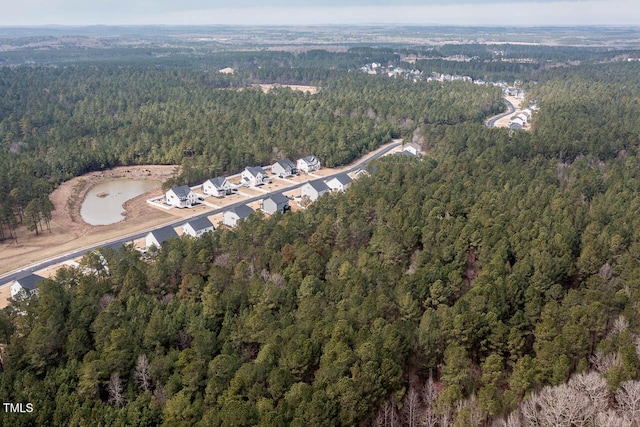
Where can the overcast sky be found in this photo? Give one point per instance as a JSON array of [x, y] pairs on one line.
[[305, 12]]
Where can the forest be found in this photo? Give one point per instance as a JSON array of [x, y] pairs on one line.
[[57, 123], [494, 282]]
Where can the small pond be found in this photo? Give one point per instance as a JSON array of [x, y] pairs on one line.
[[103, 203]]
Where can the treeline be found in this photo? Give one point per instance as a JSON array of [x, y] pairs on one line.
[[57, 123]]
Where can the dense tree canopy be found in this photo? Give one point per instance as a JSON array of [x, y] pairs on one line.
[[444, 289]]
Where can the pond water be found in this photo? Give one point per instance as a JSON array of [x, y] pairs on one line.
[[103, 203]]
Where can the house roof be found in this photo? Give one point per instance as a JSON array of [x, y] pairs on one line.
[[182, 192], [255, 170], [319, 185], [243, 211], [200, 223], [164, 233], [342, 178], [278, 198], [30, 282], [310, 159], [405, 153], [286, 163], [218, 182], [413, 145]]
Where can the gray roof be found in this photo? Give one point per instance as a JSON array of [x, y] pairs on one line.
[[342, 178], [255, 170], [182, 192], [30, 282], [310, 159], [218, 181], [243, 211], [319, 185], [286, 164], [164, 233], [405, 153], [278, 198], [200, 223]]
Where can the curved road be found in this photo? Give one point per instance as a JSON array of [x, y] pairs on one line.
[[9, 277], [510, 110]]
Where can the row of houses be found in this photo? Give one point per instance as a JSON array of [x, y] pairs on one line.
[[518, 121], [252, 176]]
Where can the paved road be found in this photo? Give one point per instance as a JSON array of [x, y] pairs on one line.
[[510, 110], [122, 240]]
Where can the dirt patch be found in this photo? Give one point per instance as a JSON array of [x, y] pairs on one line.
[[69, 231], [311, 89]]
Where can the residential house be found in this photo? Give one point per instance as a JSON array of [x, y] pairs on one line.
[[231, 216], [284, 168], [275, 203], [314, 189], [25, 286], [156, 237], [218, 187], [339, 182], [413, 148], [308, 164], [197, 227], [254, 176], [181, 197]]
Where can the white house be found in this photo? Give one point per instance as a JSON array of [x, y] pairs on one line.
[[339, 182], [284, 168], [275, 203], [181, 197], [25, 286], [218, 187], [413, 148], [231, 216], [197, 227], [156, 237], [254, 176], [308, 164], [314, 189]]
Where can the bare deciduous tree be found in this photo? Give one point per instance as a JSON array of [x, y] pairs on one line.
[[143, 378], [412, 408], [429, 394], [116, 391], [603, 362], [611, 419], [593, 386], [628, 398], [558, 406]]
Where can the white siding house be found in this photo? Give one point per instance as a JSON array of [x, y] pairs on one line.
[[308, 164], [218, 187], [231, 216], [156, 237], [25, 286], [314, 189], [413, 148], [275, 203], [197, 227], [339, 182], [254, 176], [181, 197], [284, 168]]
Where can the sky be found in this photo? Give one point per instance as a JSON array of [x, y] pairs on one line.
[[319, 12]]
